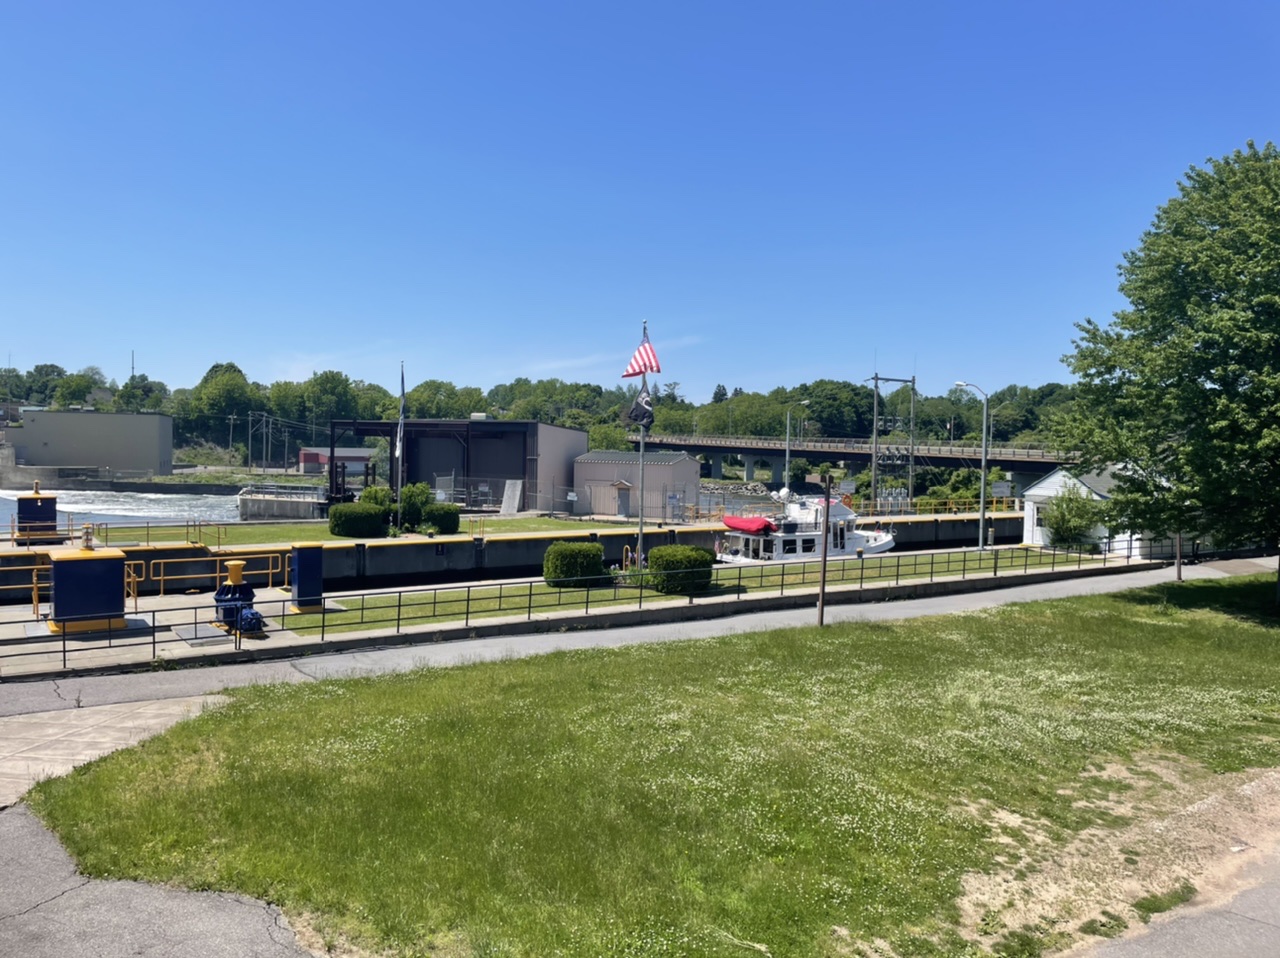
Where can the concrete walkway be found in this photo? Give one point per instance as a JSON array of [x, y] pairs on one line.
[[48, 727]]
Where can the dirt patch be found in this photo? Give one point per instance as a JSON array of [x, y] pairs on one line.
[[339, 946], [1186, 826]]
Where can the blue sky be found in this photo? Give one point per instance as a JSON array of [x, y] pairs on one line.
[[488, 190]]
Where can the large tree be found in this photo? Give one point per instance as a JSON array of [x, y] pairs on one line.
[[1182, 390]]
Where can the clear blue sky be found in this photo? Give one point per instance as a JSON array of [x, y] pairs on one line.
[[489, 190]]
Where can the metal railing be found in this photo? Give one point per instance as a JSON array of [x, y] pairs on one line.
[[427, 610], [158, 570], [1003, 450], [284, 490]]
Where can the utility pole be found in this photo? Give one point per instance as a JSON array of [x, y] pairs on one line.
[[230, 430], [875, 435]]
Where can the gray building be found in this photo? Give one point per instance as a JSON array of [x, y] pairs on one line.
[[608, 483], [132, 444], [471, 461]]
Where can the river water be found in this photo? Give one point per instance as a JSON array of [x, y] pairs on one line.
[[125, 507]]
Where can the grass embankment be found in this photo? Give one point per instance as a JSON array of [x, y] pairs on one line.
[[415, 609], [792, 793]]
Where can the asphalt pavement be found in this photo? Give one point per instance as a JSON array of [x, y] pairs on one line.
[[47, 910]]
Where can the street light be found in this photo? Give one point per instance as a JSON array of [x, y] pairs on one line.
[[786, 468], [982, 503]]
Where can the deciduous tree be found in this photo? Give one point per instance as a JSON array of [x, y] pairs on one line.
[[1182, 389]]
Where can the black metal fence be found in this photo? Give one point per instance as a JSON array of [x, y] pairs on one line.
[[151, 635]]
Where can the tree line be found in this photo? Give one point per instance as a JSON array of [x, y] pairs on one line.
[[218, 410]]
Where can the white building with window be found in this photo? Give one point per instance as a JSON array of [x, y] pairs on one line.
[[1096, 486]]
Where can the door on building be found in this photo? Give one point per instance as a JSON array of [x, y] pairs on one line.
[[624, 502]]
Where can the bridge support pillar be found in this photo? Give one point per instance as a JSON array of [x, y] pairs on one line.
[[778, 467], [716, 461]]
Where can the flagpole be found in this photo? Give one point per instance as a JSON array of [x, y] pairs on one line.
[[400, 450], [644, 385]]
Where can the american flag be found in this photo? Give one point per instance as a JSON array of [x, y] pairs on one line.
[[645, 359]]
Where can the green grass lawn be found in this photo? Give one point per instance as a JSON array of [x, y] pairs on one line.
[[805, 791], [418, 608]]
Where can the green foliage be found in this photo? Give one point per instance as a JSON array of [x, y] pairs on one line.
[[357, 520], [73, 390], [377, 496], [800, 469], [1109, 925], [1182, 387], [608, 436], [1071, 516], [1150, 905], [680, 570], [574, 565], [207, 454], [414, 498], [444, 517]]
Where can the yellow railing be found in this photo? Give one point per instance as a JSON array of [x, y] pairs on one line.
[[274, 565], [134, 572]]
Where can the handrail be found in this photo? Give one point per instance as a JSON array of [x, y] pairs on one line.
[[157, 571], [1010, 450]]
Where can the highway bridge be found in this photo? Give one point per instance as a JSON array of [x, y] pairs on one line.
[[857, 453]]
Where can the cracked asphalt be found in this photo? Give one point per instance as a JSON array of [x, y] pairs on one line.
[[47, 909]]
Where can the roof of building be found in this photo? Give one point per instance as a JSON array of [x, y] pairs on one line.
[[1100, 483], [631, 458], [349, 452]]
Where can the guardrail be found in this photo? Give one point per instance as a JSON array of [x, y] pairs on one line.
[[1003, 450], [275, 565], [284, 490], [427, 610]]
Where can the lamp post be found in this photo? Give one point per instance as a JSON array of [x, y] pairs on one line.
[[982, 502], [786, 468]]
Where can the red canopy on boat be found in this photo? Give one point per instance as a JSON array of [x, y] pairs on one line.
[[756, 525]]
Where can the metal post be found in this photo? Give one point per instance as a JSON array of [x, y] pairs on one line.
[[911, 461], [826, 531], [875, 444], [640, 509], [786, 459], [982, 485]]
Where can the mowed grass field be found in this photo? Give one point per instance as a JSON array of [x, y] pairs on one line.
[[803, 792]]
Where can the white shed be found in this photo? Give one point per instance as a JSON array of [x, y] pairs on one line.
[[1096, 486]]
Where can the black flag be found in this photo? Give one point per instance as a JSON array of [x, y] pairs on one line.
[[642, 409]]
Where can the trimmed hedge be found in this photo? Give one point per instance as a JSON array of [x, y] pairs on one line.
[[376, 496], [358, 520], [680, 570], [445, 516], [574, 565]]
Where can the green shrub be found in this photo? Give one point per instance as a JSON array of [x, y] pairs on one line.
[[376, 496], [414, 499], [680, 570], [445, 517], [574, 565], [1070, 517], [358, 520]]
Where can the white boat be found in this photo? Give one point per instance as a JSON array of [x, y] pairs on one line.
[[795, 533]]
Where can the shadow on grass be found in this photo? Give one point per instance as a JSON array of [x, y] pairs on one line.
[[1250, 598]]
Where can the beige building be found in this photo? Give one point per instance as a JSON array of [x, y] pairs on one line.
[[127, 444], [608, 483]]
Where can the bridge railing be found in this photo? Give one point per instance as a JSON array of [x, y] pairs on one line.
[[1003, 450]]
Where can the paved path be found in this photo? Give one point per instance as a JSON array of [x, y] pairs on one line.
[[46, 727]]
